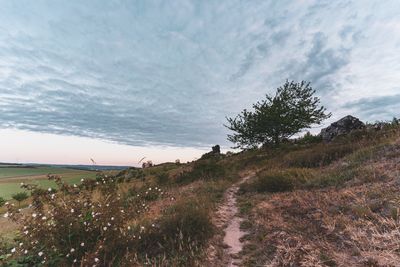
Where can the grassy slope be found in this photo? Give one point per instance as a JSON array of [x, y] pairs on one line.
[[340, 208], [342, 195]]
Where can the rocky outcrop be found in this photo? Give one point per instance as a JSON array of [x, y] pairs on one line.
[[214, 153], [343, 126], [216, 149]]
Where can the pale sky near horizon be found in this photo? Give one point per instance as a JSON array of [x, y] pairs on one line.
[[118, 80]]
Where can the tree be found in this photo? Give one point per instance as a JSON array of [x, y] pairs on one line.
[[19, 197], [292, 109]]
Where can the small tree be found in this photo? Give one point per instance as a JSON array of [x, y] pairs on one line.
[[19, 197], [2, 202], [293, 108]]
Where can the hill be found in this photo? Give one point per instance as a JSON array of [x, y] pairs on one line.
[[303, 203]]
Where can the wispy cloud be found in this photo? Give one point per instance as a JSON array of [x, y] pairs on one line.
[[167, 73]]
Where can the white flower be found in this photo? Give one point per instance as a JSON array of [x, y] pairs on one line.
[[40, 254], [82, 244], [105, 228], [26, 232], [72, 210], [82, 180], [13, 250], [75, 185], [96, 260], [122, 211], [34, 215], [21, 244], [112, 218], [44, 218], [6, 215], [129, 228], [26, 251], [49, 189], [72, 250], [75, 260]]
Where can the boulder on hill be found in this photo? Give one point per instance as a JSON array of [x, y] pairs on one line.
[[216, 149], [214, 153], [343, 126]]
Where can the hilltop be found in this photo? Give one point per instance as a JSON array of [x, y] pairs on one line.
[[304, 202]]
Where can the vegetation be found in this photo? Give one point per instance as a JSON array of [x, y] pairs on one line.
[[19, 197], [109, 220], [306, 203], [12, 177], [30, 171], [292, 109], [202, 169], [2, 202], [316, 204]]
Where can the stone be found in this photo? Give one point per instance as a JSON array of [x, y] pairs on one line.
[[341, 127], [216, 149]]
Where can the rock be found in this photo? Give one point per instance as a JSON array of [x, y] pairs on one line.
[[214, 153], [216, 149], [343, 126]]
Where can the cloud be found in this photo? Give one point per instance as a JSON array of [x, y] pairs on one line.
[[376, 108], [163, 73]]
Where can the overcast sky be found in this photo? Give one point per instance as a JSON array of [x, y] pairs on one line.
[[162, 75]]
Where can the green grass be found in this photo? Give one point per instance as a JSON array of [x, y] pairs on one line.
[[10, 172], [7, 188]]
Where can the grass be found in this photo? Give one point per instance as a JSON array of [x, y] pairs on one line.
[[12, 172], [333, 204], [15, 176]]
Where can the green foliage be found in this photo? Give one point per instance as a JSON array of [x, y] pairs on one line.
[[19, 197], [178, 236], [2, 202], [79, 225], [203, 169], [293, 108], [318, 156], [274, 183], [278, 180], [162, 178], [308, 138]]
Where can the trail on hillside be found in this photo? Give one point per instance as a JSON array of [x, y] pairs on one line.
[[227, 220]]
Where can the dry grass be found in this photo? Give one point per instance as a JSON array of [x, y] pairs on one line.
[[354, 224]]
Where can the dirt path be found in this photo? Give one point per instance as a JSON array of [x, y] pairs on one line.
[[228, 222]]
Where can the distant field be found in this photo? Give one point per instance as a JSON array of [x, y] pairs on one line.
[[11, 177]]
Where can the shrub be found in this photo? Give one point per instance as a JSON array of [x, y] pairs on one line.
[[2, 202], [79, 225], [273, 183], [318, 156], [308, 138], [19, 197], [278, 181], [202, 169], [162, 178], [179, 235]]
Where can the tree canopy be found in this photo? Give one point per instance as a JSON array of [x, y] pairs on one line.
[[292, 109]]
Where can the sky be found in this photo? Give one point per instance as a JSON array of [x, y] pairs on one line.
[[120, 80]]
